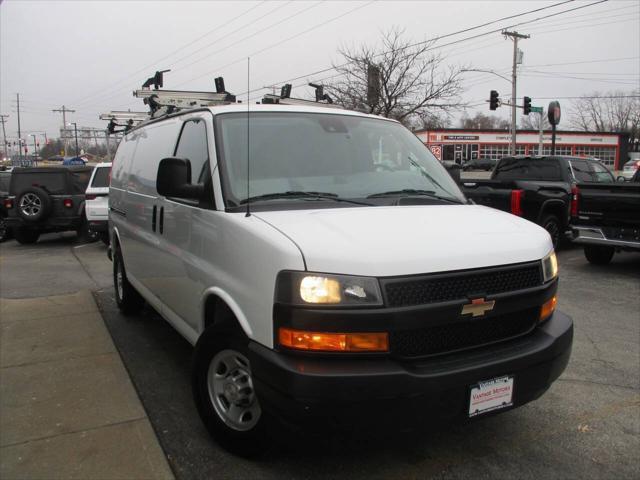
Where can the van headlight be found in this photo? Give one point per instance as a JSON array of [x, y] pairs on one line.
[[306, 288], [549, 267]]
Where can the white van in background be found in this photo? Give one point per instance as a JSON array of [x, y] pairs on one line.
[[325, 266]]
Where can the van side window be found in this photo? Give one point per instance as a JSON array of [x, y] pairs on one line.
[[155, 142], [192, 145]]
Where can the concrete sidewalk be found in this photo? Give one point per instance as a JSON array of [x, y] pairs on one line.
[[67, 406]]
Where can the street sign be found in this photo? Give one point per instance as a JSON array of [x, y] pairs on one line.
[[554, 113], [536, 109]]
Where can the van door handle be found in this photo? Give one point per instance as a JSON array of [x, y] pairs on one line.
[[153, 218], [161, 220]]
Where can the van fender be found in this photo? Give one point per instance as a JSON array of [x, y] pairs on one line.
[[230, 302]]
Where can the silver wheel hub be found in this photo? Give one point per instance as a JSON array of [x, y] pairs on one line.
[[231, 390], [30, 204]]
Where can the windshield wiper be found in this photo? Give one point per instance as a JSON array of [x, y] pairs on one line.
[[302, 194], [408, 192]]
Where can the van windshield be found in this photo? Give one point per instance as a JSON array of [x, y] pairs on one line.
[[340, 156]]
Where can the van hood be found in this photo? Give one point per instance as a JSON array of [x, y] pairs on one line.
[[407, 240]]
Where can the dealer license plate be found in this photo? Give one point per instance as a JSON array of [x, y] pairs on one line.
[[491, 395]]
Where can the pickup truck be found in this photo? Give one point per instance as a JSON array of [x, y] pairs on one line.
[[607, 219], [539, 189]]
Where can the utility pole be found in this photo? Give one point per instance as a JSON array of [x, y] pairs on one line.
[[75, 129], [19, 134], [515, 36], [541, 127], [64, 111], [4, 134]]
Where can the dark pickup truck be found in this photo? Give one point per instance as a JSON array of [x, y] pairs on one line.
[[607, 219], [540, 189]]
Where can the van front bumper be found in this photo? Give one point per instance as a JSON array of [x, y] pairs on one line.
[[406, 393]]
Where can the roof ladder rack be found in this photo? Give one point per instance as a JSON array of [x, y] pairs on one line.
[[322, 99], [164, 102], [125, 119]]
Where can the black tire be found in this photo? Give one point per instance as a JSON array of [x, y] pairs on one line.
[[598, 255], [83, 233], [5, 231], [33, 204], [104, 238], [552, 224], [248, 437], [128, 299], [25, 235]]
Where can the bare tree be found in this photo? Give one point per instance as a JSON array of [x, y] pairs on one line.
[[415, 86], [533, 120], [480, 121], [616, 111]]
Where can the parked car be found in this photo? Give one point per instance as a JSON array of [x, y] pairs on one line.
[[630, 168], [607, 219], [485, 164], [315, 285], [539, 189], [5, 178], [97, 201], [46, 199]]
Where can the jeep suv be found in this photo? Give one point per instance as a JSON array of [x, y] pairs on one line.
[[46, 199]]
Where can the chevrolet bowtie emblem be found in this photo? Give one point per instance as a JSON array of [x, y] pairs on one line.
[[478, 307]]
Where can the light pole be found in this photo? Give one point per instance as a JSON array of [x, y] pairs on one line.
[[35, 146], [75, 129]]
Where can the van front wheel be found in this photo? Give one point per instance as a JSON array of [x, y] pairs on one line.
[[224, 393]]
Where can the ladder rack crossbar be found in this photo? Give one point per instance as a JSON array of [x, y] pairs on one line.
[[269, 98]]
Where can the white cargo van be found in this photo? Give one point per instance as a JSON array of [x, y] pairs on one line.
[[325, 266]]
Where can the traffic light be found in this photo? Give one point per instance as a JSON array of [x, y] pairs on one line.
[[527, 105], [493, 100]]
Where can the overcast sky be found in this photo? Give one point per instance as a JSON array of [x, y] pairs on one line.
[[91, 55]]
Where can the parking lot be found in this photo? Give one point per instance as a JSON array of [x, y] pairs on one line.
[[586, 426]]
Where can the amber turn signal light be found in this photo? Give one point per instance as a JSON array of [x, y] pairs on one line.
[[333, 342], [548, 308]]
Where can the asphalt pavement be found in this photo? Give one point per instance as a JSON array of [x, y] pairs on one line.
[[586, 426]]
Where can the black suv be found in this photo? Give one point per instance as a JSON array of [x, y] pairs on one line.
[[46, 199], [5, 178]]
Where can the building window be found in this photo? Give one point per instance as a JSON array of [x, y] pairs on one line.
[[607, 155], [560, 150], [495, 152]]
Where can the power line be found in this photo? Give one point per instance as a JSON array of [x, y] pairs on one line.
[[273, 25], [111, 95], [282, 41], [473, 37], [618, 22], [604, 60], [144, 69]]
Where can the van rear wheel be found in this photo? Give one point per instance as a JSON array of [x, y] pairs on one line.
[[224, 393], [128, 299]]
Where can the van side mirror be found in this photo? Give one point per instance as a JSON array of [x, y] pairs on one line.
[[174, 179]]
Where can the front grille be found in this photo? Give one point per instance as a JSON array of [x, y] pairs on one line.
[[463, 335], [423, 290]]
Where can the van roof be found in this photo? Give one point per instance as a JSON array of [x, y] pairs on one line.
[[269, 107]]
